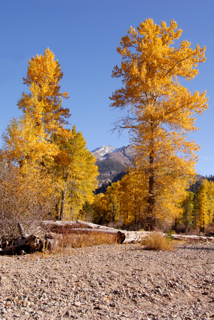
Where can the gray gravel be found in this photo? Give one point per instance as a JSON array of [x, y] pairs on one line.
[[110, 282]]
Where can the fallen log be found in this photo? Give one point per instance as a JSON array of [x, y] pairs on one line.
[[29, 245], [137, 236], [119, 236], [52, 238], [32, 244], [187, 237], [69, 227], [93, 225], [22, 231], [51, 225]]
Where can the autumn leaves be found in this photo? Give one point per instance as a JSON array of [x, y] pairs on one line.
[[38, 143], [159, 113]]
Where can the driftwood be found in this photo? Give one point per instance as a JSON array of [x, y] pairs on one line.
[[54, 232], [119, 236], [22, 231], [137, 236], [68, 225], [31, 244], [80, 227], [187, 237]]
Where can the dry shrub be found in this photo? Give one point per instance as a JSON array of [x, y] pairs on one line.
[[157, 241], [24, 197]]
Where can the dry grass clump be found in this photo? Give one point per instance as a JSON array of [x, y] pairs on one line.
[[85, 240], [67, 241], [157, 241]]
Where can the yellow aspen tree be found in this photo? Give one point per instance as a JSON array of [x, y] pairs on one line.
[[75, 172], [132, 193], [100, 206], [160, 111], [188, 216], [111, 195], [44, 102], [27, 140], [203, 205], [210, 198], [43, 115]]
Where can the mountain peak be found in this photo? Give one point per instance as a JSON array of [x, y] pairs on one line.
[[111, 164], [102, 151], [123, 154]]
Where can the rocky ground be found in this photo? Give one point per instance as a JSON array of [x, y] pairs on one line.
[[110, 282]]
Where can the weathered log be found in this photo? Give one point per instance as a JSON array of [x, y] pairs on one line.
[[59, 226], [51, 225], [22, 231], [29, 245], [80, 227], [93, 225], [119, 236], [56, 230], [187, 237], [137, 236]]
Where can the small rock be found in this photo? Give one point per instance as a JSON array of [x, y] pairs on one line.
[[68, 314]]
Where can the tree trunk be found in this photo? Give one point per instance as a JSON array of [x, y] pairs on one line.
[[151, 199], [31, 244], [151, 221], [68, 227], [63, 203]]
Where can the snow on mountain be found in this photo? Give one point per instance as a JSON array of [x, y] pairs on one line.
[[102, 151], [123, 154], [121, 149]]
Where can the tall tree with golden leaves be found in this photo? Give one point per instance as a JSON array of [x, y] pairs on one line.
[[75, 171], [160, 111], [205, 204], [43, 115]]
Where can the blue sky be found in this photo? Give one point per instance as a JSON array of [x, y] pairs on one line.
[[84, 36]]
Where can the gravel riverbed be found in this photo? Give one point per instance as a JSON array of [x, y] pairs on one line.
[[110, 282]]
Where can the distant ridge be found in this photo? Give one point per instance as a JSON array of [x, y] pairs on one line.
[[111, 163], [100, 152]]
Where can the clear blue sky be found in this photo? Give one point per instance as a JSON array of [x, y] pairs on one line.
[[84, 35]]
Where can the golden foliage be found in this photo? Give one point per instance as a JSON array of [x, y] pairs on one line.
[[39, 143], [75, 173], [205, 204], [28, 139], [160, 111], [107, 205], [44, 102]]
